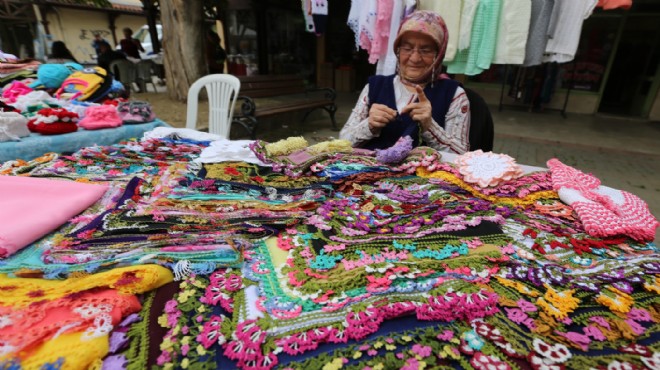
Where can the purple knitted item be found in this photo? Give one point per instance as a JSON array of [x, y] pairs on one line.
[[397, 152]]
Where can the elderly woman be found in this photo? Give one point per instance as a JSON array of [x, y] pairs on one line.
[[417, 101]]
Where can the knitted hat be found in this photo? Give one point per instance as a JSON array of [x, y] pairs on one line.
[[98, 117], [13, 126], [51, 76], [53, 121], [14, 90], [430, 24]]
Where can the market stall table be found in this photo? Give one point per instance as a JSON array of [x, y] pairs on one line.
[[36, 145], [331, 259]]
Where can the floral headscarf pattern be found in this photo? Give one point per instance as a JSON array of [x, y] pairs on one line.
[[432, 25]]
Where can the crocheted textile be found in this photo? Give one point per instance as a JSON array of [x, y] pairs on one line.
[[109, 232], [524, 190], [123, 235], [13, 126], [326, 294], [328, 164], [354, 265], [603, 211], [487, 169], [248, 173], [49, 322]]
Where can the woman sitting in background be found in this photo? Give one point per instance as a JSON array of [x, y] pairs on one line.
[[418, 101], [59, 53]]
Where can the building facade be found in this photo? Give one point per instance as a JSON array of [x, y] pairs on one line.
[[615, 71], [29, 27]]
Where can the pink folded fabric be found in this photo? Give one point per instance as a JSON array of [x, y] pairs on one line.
[[32, 207], [602, 210]]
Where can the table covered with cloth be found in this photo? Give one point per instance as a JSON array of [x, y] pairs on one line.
[[35, 145], [322, 256]]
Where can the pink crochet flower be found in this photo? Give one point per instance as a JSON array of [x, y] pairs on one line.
[[487, 169]]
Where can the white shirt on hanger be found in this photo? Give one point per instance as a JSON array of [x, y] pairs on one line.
[[565, 36], [512, 31], [450, 11]]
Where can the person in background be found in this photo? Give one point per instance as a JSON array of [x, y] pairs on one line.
[[107, 55], [214, 53], [59, 53], [419, 101], [96, 43], [130, 46]]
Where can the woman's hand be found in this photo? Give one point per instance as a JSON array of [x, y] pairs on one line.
[[379, 116], [421, 110]]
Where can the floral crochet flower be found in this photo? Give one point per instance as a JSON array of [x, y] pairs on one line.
[[487, 169]]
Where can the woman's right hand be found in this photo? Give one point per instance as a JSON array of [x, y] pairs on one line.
[[379, 116]]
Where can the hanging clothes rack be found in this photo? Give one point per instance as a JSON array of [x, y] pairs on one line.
[[505, 79]]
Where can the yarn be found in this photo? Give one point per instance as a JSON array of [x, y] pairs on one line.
[[286, 146], [397, 152], [332, 146]]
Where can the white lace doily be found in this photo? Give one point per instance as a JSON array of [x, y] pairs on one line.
[[487, 169]]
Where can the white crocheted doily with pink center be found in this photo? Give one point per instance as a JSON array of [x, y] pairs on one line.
[[487, 169]]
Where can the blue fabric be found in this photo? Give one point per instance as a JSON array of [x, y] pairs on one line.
[[381, 91], [35, 145]]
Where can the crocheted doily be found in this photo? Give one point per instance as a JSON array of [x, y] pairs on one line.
[[487, 169]]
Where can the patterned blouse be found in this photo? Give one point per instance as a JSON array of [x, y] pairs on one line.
[[454, 137]]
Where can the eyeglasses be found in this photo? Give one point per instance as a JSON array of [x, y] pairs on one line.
[[406, 51]]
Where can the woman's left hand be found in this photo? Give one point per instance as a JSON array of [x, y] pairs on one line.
[[421, 110]]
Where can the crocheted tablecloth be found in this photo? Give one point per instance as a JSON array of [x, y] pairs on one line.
[[332, 262]]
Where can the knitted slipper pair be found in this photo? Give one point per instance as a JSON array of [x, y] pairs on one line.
[[99, 117], [603, 211]]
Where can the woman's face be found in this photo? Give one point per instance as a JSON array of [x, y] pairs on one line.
[[417, 53]]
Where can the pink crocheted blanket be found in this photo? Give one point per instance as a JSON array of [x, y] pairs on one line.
[[603, 211]]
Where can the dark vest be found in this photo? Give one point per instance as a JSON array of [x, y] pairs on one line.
[[381, 91]]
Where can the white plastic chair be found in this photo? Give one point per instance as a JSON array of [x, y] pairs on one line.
[[143, 69], [222, 91]]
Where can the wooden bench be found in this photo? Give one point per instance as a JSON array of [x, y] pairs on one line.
[[295, 97]]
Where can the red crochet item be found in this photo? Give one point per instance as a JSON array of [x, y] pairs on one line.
[[603, 211], [53, 121]]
